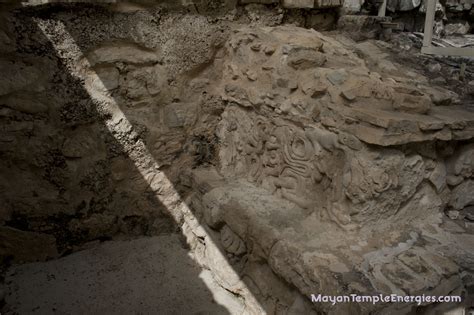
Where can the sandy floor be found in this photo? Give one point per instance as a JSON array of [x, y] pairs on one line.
[[145, 276]]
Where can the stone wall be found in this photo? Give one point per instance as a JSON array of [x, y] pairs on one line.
[[338, 174], [66, 175]]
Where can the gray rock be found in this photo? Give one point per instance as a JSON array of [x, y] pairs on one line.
[[298, 4], [462, 195], [83, 142], [337, 77], [25, 246], [74, 284], [3, 291], [30, 103], [18, 76], [348, 95], [454, 180], [402, 5], [459, 28], [301, 59], [408, 5], [434, 67], [352, 6]]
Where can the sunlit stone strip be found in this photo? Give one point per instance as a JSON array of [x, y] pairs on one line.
[[148, 166]]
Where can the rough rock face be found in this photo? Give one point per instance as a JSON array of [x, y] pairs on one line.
[[333, 167], [315, 165]]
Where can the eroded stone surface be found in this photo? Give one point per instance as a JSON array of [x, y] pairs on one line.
[[323, 171], [335, 168], [145, 275]]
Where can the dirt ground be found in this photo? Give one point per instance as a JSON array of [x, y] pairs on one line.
[[144, 276]]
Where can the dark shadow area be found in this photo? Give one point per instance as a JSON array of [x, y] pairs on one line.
[[66, 179], [170, 121]]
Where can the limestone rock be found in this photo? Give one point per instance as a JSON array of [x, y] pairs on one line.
[[297, 4], [25, 102], [469, 213], [352, 6], [462, 195], [462, 163], [126, 53], [81, 143], [104, 80], [322, 21], [301, 59], [94, 227], [232, 242], [144, 82], [413, 104], [453, 214], [222, 271], [337, 77]]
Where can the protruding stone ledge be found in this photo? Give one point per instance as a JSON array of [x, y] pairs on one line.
[[310, 253], [389, 127]]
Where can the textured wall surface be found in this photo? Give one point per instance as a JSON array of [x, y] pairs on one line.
[[314, 163]]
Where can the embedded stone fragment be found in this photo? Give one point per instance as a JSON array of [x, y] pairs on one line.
[[298, 4], [314, 89], [412, 104], [103, 80], [126, 53], [144, 82], [232, 242], [462, 195], [337, 77]]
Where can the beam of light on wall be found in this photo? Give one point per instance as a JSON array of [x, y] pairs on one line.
[[144, 161]]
